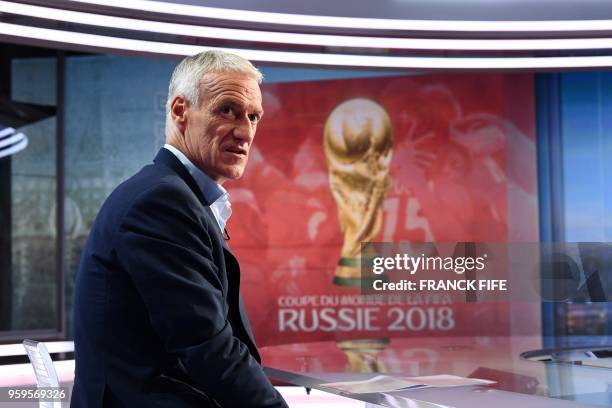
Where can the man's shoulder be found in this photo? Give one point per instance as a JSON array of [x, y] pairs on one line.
[[151, 183], [152, 178]]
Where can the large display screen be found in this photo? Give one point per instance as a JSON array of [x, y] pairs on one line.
[[431, 158]]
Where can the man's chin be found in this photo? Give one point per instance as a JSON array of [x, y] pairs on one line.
[[233, 174]]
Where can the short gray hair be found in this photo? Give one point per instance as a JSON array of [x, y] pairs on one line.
[[186, 77]]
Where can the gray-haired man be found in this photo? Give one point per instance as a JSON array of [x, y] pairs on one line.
[[159, 321]]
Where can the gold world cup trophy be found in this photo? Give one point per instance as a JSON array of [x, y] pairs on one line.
[[358, 142]]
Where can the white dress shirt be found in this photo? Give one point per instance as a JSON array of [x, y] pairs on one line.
[[213, 193]]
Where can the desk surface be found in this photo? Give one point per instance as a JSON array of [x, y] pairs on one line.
[[518, 381]]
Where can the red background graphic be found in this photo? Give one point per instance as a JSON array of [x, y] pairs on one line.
[[463, 169]]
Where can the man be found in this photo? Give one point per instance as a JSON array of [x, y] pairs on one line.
[[158, 317]]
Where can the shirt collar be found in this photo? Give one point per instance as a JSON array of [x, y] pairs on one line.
[[210, 189]]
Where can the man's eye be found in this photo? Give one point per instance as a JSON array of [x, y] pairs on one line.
[[227, 110], [254, 118]]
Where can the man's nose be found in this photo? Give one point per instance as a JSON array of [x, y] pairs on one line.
[[244, 131]]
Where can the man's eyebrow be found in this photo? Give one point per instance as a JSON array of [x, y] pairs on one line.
[[228, 100], [236, 102]]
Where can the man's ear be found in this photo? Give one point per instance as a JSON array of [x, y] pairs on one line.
[[178, 111]]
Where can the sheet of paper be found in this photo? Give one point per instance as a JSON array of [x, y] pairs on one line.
[[447, 380], [380, 383], [385, 383]]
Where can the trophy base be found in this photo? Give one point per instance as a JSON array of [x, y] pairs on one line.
[[351, 276], [347, 282], [362, 354], [363, 344]]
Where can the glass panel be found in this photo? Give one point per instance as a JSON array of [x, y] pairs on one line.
[[586, 102], [28, 270]]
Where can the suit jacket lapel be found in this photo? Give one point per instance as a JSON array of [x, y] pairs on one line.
[[247, 327], [168, 159], [233, 271]]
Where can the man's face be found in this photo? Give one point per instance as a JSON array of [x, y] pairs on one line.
[[219, 132]]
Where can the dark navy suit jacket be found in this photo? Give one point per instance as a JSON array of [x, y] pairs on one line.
[[158, 318]]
